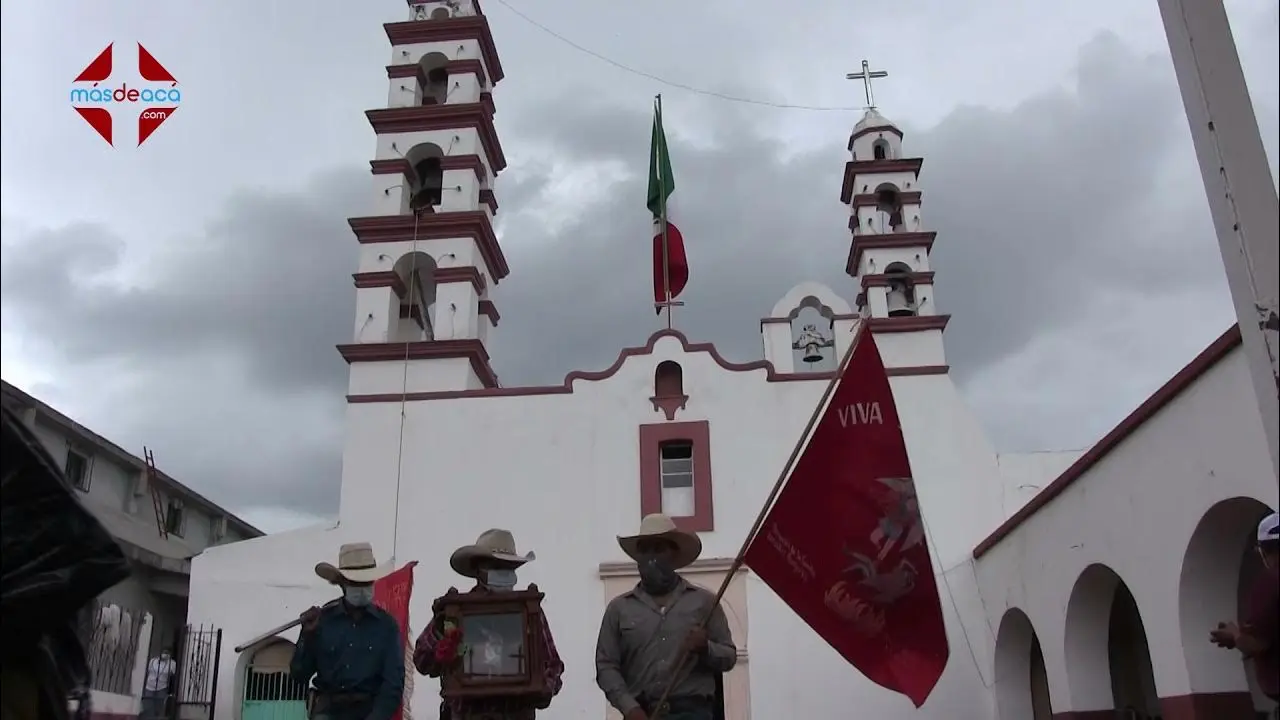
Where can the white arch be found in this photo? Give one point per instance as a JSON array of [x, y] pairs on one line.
[[1209, 591], [1015, 681], [816, 294]]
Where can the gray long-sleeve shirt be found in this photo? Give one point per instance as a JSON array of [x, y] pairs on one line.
[[640, 643]]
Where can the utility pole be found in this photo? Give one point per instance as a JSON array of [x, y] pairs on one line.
[[1237, 182]]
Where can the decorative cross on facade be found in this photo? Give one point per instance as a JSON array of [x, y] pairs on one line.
[[866, 76]]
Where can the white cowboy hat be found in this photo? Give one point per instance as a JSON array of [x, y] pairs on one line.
[[657, 525], [356, 564], [495, 544]]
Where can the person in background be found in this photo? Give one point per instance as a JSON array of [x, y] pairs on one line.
[[1257, 636], [351, 647], [155, 691], [492, 562], [662, 617]]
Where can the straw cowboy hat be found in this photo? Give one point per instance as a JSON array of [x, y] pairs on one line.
[[659, 526], [356, 564], [495, 544]]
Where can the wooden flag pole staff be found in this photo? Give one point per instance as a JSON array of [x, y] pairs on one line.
[[736, 565]]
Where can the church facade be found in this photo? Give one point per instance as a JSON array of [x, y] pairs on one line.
[[437, 450]]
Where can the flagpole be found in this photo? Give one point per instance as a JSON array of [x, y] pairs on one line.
[[736, 565], [666, 263]]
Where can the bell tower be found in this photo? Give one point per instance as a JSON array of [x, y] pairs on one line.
[[429, 257], [889, 253]]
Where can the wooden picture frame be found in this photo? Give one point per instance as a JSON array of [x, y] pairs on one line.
[[502, 652]]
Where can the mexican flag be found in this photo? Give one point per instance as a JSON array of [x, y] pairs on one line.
[[670, 266]]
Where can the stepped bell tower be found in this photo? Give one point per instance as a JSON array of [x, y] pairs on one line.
[[889, 253], [429, 257]]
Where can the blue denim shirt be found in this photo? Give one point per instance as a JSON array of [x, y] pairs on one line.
[[354, 653]]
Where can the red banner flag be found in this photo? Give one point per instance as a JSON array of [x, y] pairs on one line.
[[392, 593], [844, 544]]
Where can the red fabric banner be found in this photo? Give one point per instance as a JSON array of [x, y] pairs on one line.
[[844, 545], [392, 593]]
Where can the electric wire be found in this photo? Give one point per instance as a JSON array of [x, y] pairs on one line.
[[672, 83]]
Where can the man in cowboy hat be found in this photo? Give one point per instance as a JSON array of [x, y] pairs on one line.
[[492, 562], [351, 647], [648, 628]]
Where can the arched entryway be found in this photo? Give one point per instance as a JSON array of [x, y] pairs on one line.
[[1022, 686], [1105, 648], [1218, 568], [270, 692]]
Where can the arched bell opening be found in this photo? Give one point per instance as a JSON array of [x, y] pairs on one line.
[[880, 149], [435, 87], [901, 294], [414, 320], [813, 333], [889, 208], [426, 189]]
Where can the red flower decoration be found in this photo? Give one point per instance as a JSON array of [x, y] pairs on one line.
[[447, 647]]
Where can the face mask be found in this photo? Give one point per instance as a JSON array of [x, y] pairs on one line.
[[657, 577], [358, 595], [500, 579]]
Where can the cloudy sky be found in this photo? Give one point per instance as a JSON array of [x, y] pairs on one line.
[[188, 294]]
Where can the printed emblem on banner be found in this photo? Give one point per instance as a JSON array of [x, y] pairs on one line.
[[872, 581]]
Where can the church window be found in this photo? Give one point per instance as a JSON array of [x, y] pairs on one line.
[[677, 478], [675, 473], [880, 149]]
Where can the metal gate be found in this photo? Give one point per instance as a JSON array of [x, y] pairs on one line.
[[270, 690], [192, 691]]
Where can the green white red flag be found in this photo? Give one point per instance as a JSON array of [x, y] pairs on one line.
[[670, 266]]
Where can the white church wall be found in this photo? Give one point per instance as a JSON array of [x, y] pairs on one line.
[[1023, 475], [1134, 511], [248, 587]]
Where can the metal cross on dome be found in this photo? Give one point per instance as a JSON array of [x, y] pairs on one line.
[[866, 76]]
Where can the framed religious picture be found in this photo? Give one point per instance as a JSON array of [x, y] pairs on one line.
[[496, 642]]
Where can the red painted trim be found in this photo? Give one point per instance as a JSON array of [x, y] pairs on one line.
[[489, 310], [853, 168], [475, 28], [883, 279], [382, 278], [873, 129], [771, 375], [909, 197], [884, 241], [652, 438], [453, 67], [913, 323], [1185, 377], [474, 224], [477, 116], [472, 350]]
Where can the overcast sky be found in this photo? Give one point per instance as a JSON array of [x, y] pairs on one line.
[[188, 294]]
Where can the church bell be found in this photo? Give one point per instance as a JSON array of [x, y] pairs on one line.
[[812, 353], [899, 303]]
